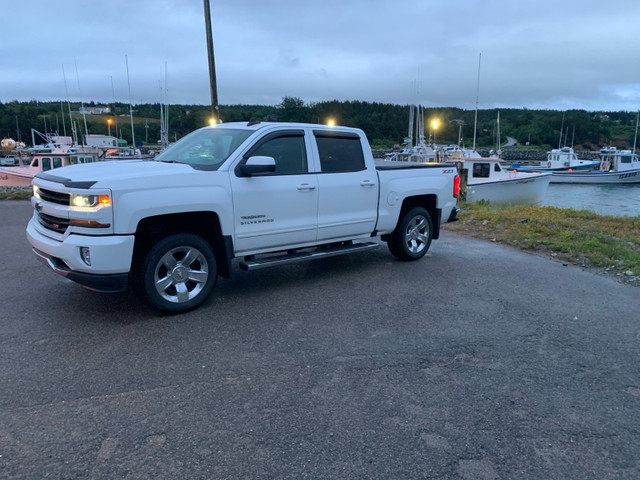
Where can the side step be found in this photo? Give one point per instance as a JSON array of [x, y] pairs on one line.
[[304, 255]]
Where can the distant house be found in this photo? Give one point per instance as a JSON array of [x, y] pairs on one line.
[[100, 141], [97, 110]]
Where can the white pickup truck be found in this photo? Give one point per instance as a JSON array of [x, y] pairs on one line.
[[266, 193]]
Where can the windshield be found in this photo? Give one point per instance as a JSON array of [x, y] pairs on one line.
[[206, 148]]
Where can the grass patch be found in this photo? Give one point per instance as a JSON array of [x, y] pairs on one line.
[[577, 236], [16, 194]]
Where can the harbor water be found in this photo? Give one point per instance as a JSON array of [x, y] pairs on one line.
[[615, 200]]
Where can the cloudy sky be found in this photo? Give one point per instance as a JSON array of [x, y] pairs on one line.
[[557, 54]]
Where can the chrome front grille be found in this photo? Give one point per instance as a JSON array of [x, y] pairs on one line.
[[56, 224], [54, 197]]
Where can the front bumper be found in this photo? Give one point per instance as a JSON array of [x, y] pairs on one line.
[[110, 258], [110, 283]]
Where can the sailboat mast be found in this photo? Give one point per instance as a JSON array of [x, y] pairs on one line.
[[411, 115], [115, 117], [133, 135], [84, 116], [74, 133], [475, 120]]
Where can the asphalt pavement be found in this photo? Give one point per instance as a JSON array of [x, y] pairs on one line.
[[477, 362]]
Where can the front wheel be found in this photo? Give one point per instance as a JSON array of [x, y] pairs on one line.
[[412, 237], [179, 273]]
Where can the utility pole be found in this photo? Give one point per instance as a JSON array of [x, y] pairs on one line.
[[212, 64]]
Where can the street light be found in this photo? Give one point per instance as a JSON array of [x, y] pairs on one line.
[[434, 125], [109, 122], [460, 123]]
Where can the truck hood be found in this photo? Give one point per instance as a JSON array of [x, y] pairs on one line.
[[127, 174]]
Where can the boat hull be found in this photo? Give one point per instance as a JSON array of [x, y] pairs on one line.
[[13, 177], [624, 177], [529, 190]]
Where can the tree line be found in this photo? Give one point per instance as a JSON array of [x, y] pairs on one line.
[[384, 124]]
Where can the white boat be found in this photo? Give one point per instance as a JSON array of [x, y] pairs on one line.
[[488, 180], [21, 176], [564, 158], [615, 167]]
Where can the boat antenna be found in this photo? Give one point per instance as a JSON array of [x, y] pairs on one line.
[[475, 120], [561, 130], [573, 135], [74, 134], [133, 135], [64, 126], [86, 131], [636, 135], [498, 135], [165, 140]]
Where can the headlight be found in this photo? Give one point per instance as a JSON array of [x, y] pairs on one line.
[[82, 202], [36, 191]]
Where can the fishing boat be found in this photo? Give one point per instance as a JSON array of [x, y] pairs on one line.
[[614, 167], [22, 175], [564, 158], [488, 180]]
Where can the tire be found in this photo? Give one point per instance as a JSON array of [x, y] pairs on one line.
[[178, 273], [412, 237]]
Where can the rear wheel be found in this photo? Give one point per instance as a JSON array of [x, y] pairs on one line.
[[412, 237], [178, 273]]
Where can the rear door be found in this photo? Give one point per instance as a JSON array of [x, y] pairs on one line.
[[279, 209], [348, 199]]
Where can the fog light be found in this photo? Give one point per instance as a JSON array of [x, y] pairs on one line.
[[85, 254]]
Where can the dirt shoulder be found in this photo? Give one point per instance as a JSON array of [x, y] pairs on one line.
[[471, 229]]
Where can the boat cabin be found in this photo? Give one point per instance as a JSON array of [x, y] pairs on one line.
[[43, 163], [614, 160]]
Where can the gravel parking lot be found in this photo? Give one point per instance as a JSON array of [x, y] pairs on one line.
[[477, 362]]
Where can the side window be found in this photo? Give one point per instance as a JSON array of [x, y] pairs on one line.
[[340, 154], [57, 162], [481, 170], [496, 167], [46, 164], [289, 153]]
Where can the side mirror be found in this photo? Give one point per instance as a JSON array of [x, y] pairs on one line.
[[258, 164]]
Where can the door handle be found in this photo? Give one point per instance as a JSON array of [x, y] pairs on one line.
[[306, 186], [367, 183]]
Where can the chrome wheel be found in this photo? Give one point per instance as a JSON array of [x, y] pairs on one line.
[[181, 274], [412, 236], [417, 234]]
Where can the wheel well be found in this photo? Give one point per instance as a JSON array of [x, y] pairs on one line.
[[428, 202], [205, 224]]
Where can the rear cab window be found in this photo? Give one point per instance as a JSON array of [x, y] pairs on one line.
[[339, 152]]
